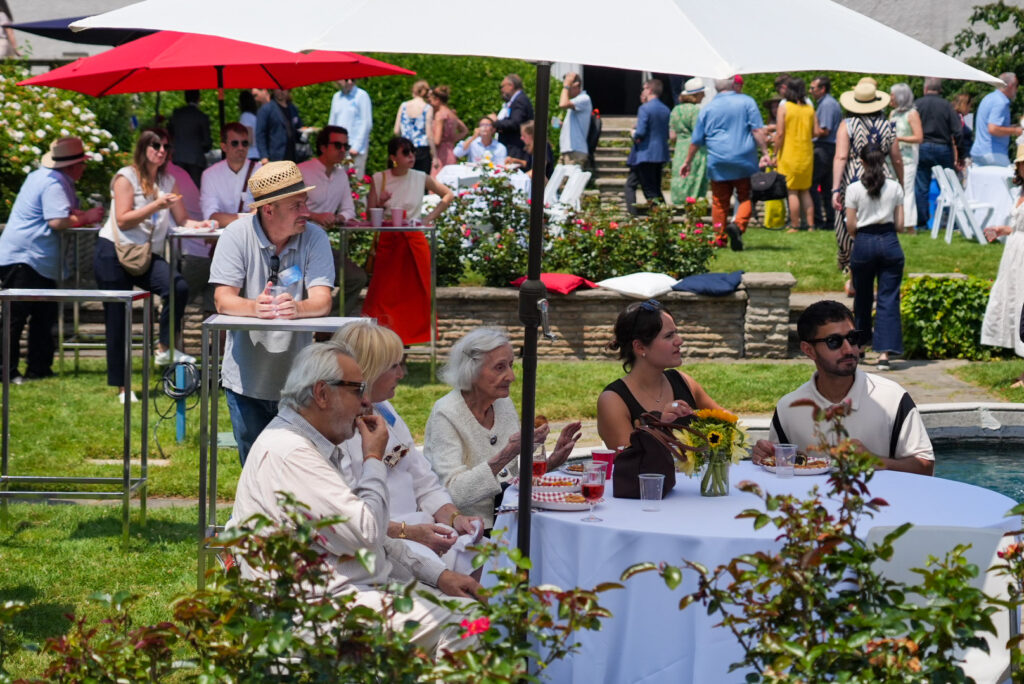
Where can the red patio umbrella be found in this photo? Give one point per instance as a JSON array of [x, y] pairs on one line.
[[169, 60]]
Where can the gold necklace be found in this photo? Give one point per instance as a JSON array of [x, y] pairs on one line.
[[661, 393]]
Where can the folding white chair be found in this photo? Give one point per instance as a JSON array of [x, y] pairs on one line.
[[912, 551], [964, 208], [553, 186], [943, 205], [573, 189]]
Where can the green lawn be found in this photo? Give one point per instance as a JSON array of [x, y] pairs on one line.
[[996, 376], [811, 257]]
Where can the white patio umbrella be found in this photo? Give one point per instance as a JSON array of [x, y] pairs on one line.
[[717, 39]]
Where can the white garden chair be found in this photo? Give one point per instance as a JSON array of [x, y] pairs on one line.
[[912, 551], [553, 187], [966, 207], [574, 188]]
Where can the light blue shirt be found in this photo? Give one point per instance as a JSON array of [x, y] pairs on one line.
[[45, 195], [353, 112], [577, 124], [829, 116], [725, 127], [478, 151], [994, 109]]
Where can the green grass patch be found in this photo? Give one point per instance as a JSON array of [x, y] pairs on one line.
[[811, 257], [995, 376]]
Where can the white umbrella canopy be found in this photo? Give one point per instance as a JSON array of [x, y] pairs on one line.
[[716, 39]]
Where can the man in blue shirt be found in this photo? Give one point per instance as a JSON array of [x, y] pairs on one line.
[[30, 249], [572, 141], [482, 146], [992, 128], [351, 109], [731, 128], [828, 115], [650, 147]]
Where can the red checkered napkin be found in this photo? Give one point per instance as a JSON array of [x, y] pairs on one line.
[[555, 497]]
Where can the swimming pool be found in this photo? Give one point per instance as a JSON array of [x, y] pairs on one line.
[[997, 465]]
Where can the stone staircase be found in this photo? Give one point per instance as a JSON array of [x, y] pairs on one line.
[[610, 158]]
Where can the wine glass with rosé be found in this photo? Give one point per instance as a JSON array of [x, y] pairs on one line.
[[540, 460], [593, 487]]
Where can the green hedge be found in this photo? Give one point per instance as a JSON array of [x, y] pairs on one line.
[[942, 318]]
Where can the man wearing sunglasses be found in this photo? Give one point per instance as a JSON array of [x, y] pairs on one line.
[[223, 194], [330, 202], [884, 420], [322, 405]]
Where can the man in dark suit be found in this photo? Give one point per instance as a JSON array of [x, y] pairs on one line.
[[516, 111], [650, 147], [276, 134], [190, 130]]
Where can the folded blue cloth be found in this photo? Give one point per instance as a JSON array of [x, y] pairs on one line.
[[711, 284]]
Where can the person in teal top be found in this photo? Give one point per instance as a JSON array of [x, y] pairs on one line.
[[681, 123]]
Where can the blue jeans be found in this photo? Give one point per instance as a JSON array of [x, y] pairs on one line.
[[248, 418], [878, 257], [929, 155]]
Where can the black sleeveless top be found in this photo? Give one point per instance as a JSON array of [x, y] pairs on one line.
[[680, 390]]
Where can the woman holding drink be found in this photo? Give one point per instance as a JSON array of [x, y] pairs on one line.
[[648, 344], [399, 292], [472, 435]]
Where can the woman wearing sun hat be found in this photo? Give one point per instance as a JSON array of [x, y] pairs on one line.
[[680, 124], [865, 125]]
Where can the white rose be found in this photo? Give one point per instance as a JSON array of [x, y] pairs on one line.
[[94, 138], [76, 111], [65, 132], [113, 146], [26, 168], [40, 133], [36, 150]]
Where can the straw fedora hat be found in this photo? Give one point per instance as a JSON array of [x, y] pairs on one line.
[[274, 181], [693, 86], [865, 98], [64, 152]]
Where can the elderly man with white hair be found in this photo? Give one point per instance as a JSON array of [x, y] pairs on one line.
[[473, 433], [322, 405]]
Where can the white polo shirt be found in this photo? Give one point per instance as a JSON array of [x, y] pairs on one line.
[[332, 194], [222, 189], [876, 401]]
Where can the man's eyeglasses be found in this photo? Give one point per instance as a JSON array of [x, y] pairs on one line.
[[236, 143], [359, 387], [338, 145], [275, 266], [160, 146], [856, 338]]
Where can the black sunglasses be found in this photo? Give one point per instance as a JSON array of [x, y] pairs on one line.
[[275, 266], [338, 145], [160, 146], [236, 143], [856, 338], [360, 387]]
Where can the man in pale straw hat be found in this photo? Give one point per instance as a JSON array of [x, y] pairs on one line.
[[942, 130], [30, 248], [270, 264]]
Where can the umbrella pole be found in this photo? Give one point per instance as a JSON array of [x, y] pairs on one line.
[[220, 95], [531, 292]]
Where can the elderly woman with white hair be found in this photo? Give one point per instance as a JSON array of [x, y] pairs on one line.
[[472, 437], [420, 510], [909, 134]]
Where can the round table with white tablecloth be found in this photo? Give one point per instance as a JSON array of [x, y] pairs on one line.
[[649, 640]]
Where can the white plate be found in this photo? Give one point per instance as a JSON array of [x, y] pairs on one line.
[[562, 505], [574, 473], [514, 482], [802, 471]]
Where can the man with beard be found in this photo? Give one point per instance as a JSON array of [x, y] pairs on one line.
[[884, 419]]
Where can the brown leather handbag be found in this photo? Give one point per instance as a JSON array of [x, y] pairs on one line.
[[653, 448]]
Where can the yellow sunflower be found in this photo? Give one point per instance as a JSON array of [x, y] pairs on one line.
[[716, 438], [717, 414]]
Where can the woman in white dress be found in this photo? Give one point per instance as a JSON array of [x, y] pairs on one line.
[[1001, 327], [421, 510], [909, 135]]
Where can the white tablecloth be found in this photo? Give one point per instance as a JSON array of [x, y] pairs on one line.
[[989, 184], [457, 176], [649, 640]]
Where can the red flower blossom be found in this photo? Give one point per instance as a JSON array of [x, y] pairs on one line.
[[613, 225], [682, 235], [350, 171], [367, 178], [599, 233], [699, 225], [475, 627], [697, 231], [691, 200]]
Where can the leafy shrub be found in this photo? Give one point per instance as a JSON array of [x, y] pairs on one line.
[[818, 610], [286, 626], [32, 118], [942, 318]]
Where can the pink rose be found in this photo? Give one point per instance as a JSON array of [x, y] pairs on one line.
[[691, 200], [599, 233], [613, 225]]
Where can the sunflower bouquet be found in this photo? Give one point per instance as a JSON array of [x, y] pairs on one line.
[[716, 441]]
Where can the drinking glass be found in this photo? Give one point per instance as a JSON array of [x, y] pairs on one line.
[[785, 460], [540, 460], [593, 487]]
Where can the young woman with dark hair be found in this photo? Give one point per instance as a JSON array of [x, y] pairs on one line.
[[649, 345], [874, 208]]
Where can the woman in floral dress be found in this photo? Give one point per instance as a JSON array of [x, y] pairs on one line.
[[681, 123]]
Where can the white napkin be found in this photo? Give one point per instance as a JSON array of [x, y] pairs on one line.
[[459, 558]]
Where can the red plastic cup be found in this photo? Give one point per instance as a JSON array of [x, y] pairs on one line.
[[606, 456]]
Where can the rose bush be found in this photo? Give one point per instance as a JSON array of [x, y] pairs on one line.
[[31, 118]]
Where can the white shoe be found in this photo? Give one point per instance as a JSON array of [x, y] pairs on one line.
[[120, 398], [163, 358]]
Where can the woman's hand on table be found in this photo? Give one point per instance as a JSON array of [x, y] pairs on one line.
[[762, 449], [438, 538], [566, 443]]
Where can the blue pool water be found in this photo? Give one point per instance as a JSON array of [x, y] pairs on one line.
[[998, 465]]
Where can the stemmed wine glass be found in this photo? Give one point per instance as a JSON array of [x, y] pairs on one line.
[[593, 487]]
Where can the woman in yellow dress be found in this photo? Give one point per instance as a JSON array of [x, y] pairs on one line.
[[794, 142]]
